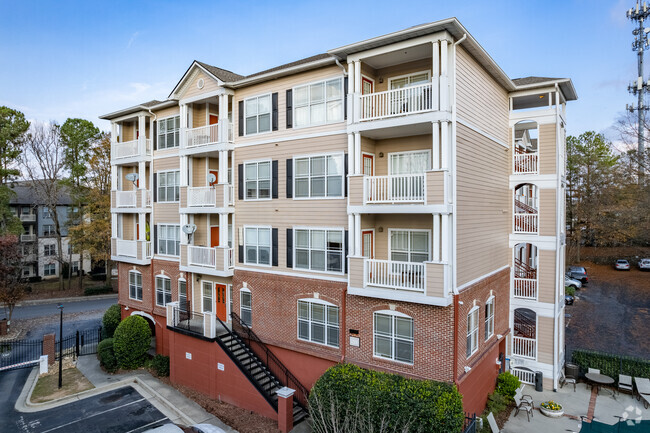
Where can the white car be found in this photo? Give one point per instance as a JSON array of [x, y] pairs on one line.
[[644, 264], [568, 281], [622, 265]]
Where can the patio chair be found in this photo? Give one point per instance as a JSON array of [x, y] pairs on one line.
[[625, 384], [593, 370], [643, 390], [567, 380], [523, 405], [524, 397], [493, 423]]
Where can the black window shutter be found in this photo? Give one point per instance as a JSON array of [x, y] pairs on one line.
[[155, 187], [155, 135], [274, 178], [345, 175], [274, 248], [289, 248], [289, 178], [289, 108], [274, 111], [240, 181], [345, 98], [241, 254], [241, 118], [345, 251], [155, 239]]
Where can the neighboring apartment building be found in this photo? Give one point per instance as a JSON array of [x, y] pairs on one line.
[[388, 203], [38, 239]]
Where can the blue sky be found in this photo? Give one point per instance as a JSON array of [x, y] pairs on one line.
[[86, 58]]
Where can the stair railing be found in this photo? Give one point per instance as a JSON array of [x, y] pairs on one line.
[[277, 368]]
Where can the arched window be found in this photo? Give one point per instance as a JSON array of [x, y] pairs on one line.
[[393, 336], [526, 207], [318, 322], [526, 148], [135, 285], [524, 338]]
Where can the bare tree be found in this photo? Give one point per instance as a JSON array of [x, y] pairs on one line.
[[43, 163]]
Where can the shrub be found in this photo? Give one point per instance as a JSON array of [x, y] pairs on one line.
[[98, 290], [569, 290], [497, 403], [132, 341], [160, 365], [349, 398], [610, 364], [106, 355], [111, 319], [507, 384]]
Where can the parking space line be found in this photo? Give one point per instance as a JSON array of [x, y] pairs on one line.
[[99, 413], [147, 425]]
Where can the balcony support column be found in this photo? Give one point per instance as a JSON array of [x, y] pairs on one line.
[[114, 225], [184, 171], [444, 71], [351, 235], [357, 153], [444, 145], [357, 76], [223, 119], [142, 222], [142, 182], [183, 125], [445, 238], [223, 165], [435, 72], [142, 128], [115, 131], [357, 235], [223, 230], [435, 145], [436, 237], [114, 181], [183, 221], [351, 155]]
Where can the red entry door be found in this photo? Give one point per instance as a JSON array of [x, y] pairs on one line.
[[368, 243], [216, 177], [220, 293], [214, 236]]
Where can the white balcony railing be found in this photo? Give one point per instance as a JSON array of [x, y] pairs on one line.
[[394, 275], [201, 256], [394, 188], [525, 163], [201, 196], [130, 148], [127, 248], [28, 217], [526, 347], [201, 136], [147, 250], [125, 199], [397, 102], [526, 223], [230, 258], [146, 197], [27, 238], [230, 195], [525, 288]]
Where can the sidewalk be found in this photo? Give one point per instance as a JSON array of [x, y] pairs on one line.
[[61, 300]]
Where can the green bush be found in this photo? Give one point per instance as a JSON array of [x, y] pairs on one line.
[[569, 290], [160, 365], [132, 341], [106, 355], [98, 290], [507, 384], [497, 403], [111, 319], [349, 398], [610, 364]]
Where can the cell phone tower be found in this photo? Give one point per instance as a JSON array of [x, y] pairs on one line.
[[639, 14]]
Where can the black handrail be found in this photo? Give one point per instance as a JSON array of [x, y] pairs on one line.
[[272, 362]]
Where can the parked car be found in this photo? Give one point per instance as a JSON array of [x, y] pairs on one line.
[[622, 265], [644, 264], [572, 282], [578, 273], [568, 299]]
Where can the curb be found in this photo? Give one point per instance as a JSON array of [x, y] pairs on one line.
[[60, 300]]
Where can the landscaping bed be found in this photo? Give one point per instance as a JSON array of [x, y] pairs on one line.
[[47, 387]]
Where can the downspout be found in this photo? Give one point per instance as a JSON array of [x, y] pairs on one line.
[[344, 322], [153, 280], [556, 348], [461, 39], [336, 60]]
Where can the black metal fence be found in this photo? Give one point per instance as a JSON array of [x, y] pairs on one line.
[[81, 343], [190, 321], [471, 423], [19, 353]]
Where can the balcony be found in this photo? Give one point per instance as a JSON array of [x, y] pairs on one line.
[[525, 163], [404, 188], [136, 199], [201, 324], [524, 347], [28, 217], [209, 138], [27, 238], [131, 251], [207, 199], [128, 150], [217, 261], [524, 281], [398, 102]]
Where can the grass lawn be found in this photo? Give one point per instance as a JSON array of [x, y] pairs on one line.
[[47, 387]]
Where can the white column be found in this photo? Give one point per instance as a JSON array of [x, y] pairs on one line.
[[444, 72], [351, 155], [357, 77], [183, 221], [357, 153], [351, 235], [444, 145], [142, 183], [114, 178], [223, 118], [435, 72], [223, 230], [223, 165], [183, 124], [445, 238], [114, 132], [183, 169], [142, 125], [142, 234], [351, 77], [436, 237], [357, 235], [114, 225], [435, 145]]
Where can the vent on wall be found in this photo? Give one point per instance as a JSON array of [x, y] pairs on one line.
[[200, 83]]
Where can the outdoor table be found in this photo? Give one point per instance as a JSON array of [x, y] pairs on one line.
[[599, 379]]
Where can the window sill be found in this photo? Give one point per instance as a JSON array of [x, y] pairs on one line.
[[301, 340], [394, 361]]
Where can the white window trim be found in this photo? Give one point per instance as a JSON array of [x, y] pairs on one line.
[[324, 80], [163, 277], [344, 258], [47, 265], [326, 304], [47, 248], [158, 120], [428, 152], [490, 300], [316, 155], [270, 228], [395, 314], [136, 290], [478, 328], [257, 115], [181, 280], [390, 248], [257, 161], [373, 240], [397, 77], [158, 240], [211, 283], [374, 171], [158, 173], [245, 290]]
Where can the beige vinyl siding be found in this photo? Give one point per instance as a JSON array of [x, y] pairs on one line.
[[200, 237], [396, 145], [394, 221], [191, 89], [127, 185], [545, 339], [166, 213], [546, 276], [397, 71], [171, 163], [128, 226], [167, 112], [547, 209], [547, 149], [199, 114], [199, 173], [480, 100], [128, 131], [483, 204], [281, 85]]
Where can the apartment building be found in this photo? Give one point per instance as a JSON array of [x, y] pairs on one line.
[[396, 203], [39, 244]]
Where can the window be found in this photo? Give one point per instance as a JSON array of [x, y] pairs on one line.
[[48, 229], [206, 292], [26, 210], [318, 103], [135, 285], [472, 331], [416, 162], [318, 322], [257, 244], [169, 239], [319, 176], [26, 272], [409, 245], [258, 180], [319, 250], [75, 267], [489, 318], [393, 335], [49, 269], [49, 250], [169, 186], [258, 114], [182, 295], [163, 291], [246, 307], [409, 80], [46, 213], [168, 135], [231, 299]]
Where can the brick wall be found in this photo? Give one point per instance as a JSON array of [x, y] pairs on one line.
[[49, 341]]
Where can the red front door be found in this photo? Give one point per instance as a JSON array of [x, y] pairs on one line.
[[214, 236], [220, 293]]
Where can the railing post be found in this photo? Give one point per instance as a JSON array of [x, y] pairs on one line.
[[77, 343]]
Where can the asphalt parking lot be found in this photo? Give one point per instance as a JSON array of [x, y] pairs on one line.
[[122, 410]]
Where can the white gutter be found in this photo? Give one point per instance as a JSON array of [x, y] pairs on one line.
[[461, 39], [345, 72]]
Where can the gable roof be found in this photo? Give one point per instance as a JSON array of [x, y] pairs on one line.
[[25, 193], [222, 74], [565, 84]]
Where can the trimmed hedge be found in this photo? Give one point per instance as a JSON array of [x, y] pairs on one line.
[[160, 365], [610, 364], [106, 355], [507, 384], [349, 398], [98, 290], [111, 320], [132, 341]]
